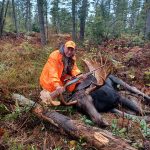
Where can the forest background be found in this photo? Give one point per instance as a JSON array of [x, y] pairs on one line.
[[86, 19]]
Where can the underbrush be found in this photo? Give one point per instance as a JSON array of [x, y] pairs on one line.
[[20, 66], [134, 40]]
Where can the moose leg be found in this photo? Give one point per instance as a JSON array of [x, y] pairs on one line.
[[129, 88], [129, 116], [130, 105], [85, 103], [119, 113]]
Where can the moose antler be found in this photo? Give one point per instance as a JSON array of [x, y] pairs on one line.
[[102, 73]]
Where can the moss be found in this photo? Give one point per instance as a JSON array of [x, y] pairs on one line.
[[147, 77]]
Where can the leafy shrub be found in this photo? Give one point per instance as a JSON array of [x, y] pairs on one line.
[[134, 40], [35, 27], [137, 41], [144, 128], [87, 120]]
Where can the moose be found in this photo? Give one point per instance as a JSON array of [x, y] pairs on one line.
[[93, 98]]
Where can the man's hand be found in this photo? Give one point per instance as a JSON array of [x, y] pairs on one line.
[[60, 89], [46, 98]]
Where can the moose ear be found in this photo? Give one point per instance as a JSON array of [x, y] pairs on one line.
[[102, 73]]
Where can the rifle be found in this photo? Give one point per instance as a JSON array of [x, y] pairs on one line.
[[73, 80]]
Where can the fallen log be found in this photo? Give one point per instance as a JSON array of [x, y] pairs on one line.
[[94, 136]]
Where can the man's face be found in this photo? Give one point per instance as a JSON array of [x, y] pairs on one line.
[[69, 51]]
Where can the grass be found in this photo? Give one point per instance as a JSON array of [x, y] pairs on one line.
[[20, 67]]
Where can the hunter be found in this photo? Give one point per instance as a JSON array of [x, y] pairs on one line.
[[60, 66]]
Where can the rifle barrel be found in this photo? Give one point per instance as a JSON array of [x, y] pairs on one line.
[[76, 78]]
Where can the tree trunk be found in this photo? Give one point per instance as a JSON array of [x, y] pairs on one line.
[[5, 15], [28, 16], [83, 18], [94, 136], [73, 20], [46, 19], [1, 18], [41, 21], [147, 32], [14, 16]]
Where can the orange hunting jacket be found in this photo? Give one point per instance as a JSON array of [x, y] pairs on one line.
[[52, 71]]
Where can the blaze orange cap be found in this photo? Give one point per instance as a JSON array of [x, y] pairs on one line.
[[70, 44]]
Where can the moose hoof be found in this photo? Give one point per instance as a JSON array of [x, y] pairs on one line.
[[103, 123]]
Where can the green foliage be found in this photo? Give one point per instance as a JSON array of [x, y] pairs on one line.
[[107, 19], [55, 14], [117, 130], [122, 132], [96, 29], [9, 27], [98, 25], [112, 19], [3, 109], [27, 47], [87, 121], [16, 113], [147, 76], [144, 127], [65, 110], [135, 40], [14, 144], [58, 148], [148, 36], [35, 27], [66, 21], [17, 146], [21, 16], [80, 143], [79, 64]]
